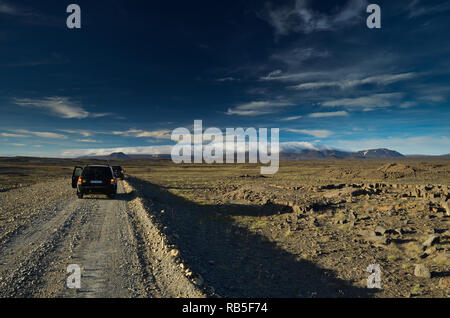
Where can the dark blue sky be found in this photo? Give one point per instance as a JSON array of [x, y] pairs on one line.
[[138, 69]]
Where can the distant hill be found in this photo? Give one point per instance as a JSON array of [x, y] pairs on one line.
[[118, 156], [308, 154], [378, 153], [290, 154], [123, 156], [441, 157], [113, 156]]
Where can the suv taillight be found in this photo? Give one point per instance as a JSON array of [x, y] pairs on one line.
[[113, 181], [80, 180]]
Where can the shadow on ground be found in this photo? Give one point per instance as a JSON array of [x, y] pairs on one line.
[[234, 261]]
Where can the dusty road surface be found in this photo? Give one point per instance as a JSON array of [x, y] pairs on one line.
[[45, 228]]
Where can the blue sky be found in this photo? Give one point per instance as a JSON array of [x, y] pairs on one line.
[[137, 70]]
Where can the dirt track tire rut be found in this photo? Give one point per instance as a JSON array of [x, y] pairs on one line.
[[100, 235]]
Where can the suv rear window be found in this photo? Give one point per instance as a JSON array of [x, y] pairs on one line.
[[97, 173]]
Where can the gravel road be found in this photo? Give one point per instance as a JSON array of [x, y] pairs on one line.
[[44, 228]]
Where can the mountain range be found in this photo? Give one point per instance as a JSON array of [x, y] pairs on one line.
[[299, 154]]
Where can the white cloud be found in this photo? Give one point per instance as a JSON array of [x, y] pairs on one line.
[[18, 145], [258, 108], [14, 135], [318, 133], [167, 149], [328, 114], [367, 69], [407, 104], [297, 56], [376, 100], [226, 79], [296, 146], [42, 134], [433, 98], [88, 140], [9, 9], [415, 9], [138, 133], [291, 118], [59, 106], [84, 133], [384, 79], [300, 17], [278, 75], [151, 150]]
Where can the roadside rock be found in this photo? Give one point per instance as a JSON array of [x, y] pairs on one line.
[[444, 283], [174, 253], [421, 271], [379, 230], [432, 239], [446, 206]]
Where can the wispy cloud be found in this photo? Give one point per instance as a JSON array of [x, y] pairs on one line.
[[379, 80], [294, 57], [408, 104], [258, 108], [368, 102], [278, 75], [14, 135], [318, 133], [9, 9], [151, 150], [227, 79], [139, 133], [328, 114], [59, 106], [415, 9], [53, 59], [88, 140], [291, 118], [295, 146], [18, 145], [300, 17], [84, 133], [41, 134]]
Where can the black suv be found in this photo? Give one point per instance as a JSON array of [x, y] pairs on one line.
[[94, 179], [118, 172]]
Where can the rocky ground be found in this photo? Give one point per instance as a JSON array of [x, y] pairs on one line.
[[290, 236], [311, 230]]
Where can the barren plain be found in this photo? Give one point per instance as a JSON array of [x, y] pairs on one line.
[[311, 230]]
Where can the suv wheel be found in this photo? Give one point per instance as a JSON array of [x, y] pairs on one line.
[[80, 195]]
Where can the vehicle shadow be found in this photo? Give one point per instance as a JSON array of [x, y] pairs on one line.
[[118, 197], [233, 260]]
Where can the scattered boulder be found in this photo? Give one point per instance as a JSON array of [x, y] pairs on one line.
[[421, 271], [174, 253], [371, 236], [431, 240], [446, 206], [379, 230], [444, 283], [396, 170], [443, 258]]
